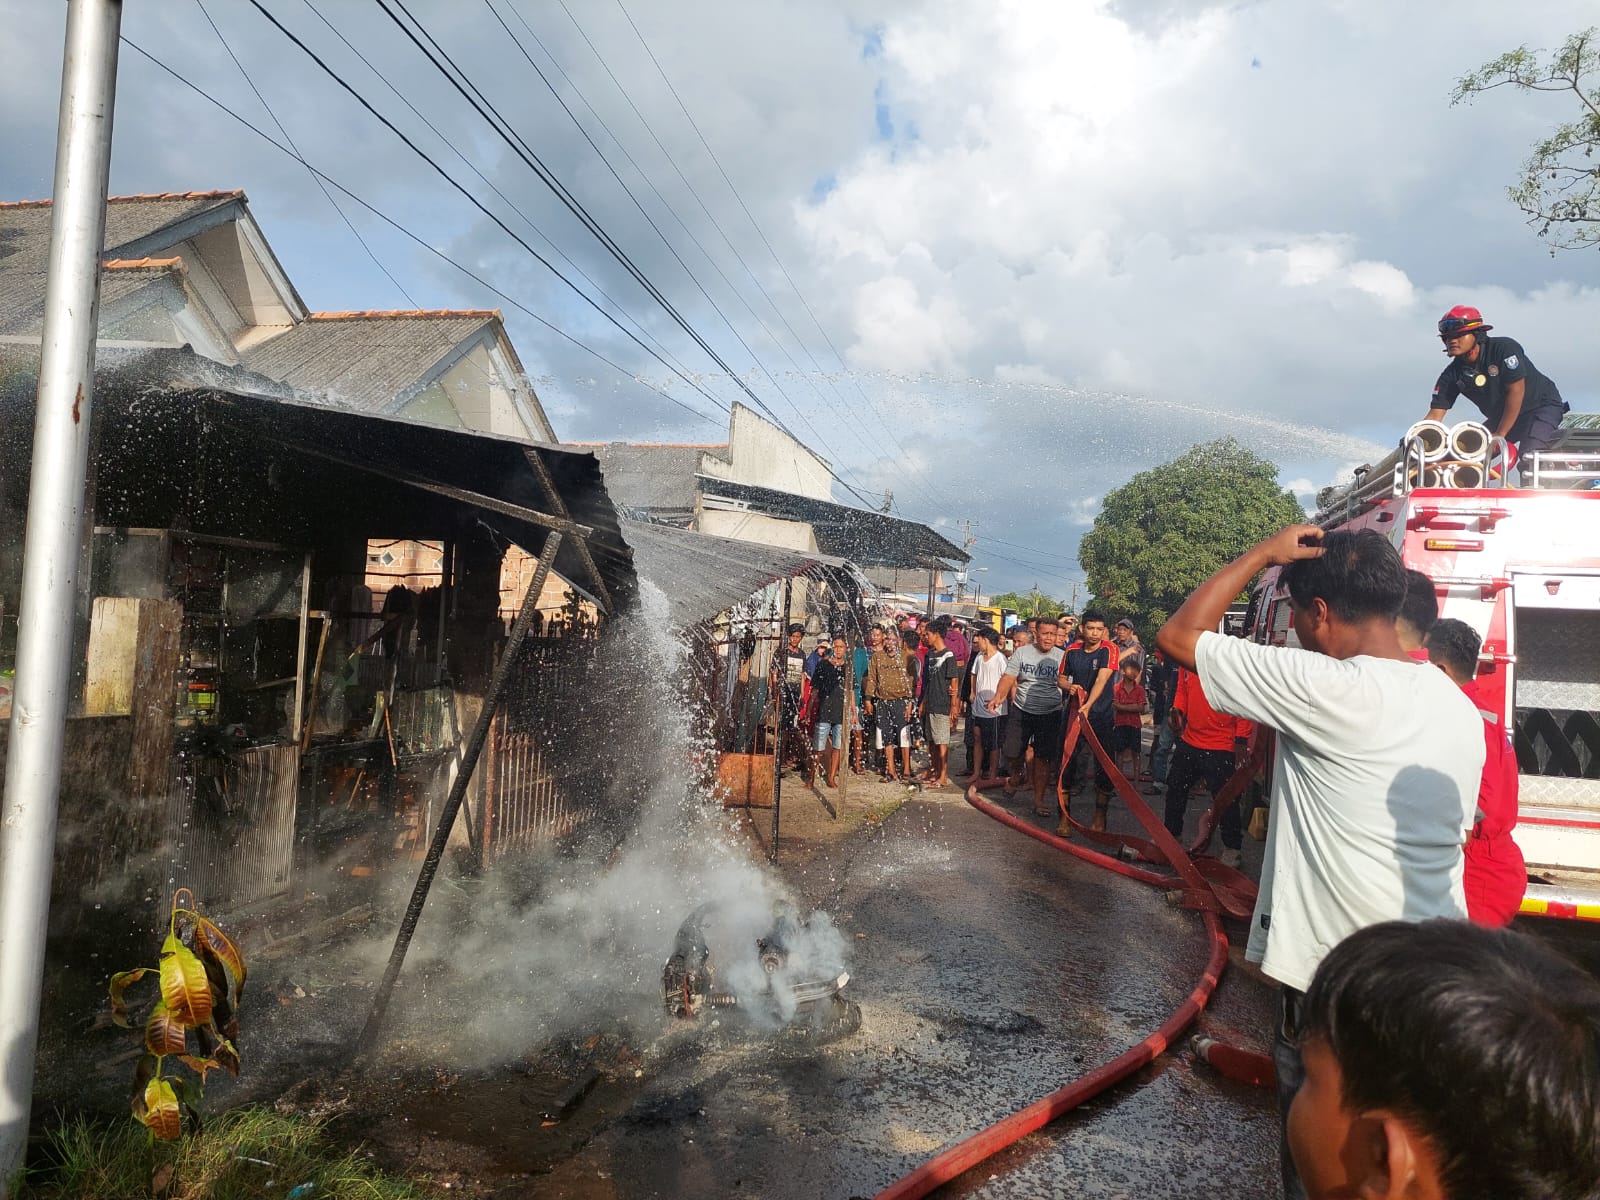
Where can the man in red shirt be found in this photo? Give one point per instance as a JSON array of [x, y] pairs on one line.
[[1496, 876], [1210, 746]]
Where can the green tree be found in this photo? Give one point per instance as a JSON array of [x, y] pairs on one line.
[[1560, 185], [1032, 603], [1165, 531]]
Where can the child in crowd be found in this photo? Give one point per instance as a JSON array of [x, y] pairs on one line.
[[1128, 700], [1447, 1060]]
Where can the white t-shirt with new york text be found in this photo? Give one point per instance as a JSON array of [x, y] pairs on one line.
[[1373, 789]]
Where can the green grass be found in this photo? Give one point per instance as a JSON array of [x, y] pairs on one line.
[[82, 1160]]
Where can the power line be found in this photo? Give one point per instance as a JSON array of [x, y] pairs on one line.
[[502, 128], [320, 185], [842, 408], [756, 225], [476, 203], [659, 232], [493, 187], [392, 223], [1030, 549]]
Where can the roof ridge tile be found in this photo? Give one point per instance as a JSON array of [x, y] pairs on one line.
[[374, 314], [150, 264], [220, 194]]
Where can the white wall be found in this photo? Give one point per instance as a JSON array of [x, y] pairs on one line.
[[753, 527], [761, 454]]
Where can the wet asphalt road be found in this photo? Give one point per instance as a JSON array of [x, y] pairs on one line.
[[990, 969]]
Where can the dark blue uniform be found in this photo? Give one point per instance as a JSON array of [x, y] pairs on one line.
[[1501, 362], [1083, 667]]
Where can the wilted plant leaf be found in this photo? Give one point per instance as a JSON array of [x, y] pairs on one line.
[[161, 1115], [227, 1057], [184, 986], [213, 939], [223, 1015], [143, 1072], [189, 1098], [120, 982], [162, 1034], [201, 1066]]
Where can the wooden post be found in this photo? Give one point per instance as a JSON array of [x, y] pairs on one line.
[[458, 792], [782, 740]]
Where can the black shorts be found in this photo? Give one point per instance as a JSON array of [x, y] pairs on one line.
[[1126, 737], [1043, 732]]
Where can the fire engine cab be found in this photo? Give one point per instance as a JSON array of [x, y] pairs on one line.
[[1519, 561]]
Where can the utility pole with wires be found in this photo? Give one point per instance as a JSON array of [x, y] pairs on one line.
[[51, 550]]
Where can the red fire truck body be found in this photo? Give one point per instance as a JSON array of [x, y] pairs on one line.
[[1522, 567]]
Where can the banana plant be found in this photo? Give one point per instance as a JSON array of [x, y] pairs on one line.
[[194, 1019]]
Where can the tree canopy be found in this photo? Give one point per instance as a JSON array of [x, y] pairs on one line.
[[1167, 530], [1560, 185], [1032, 603]]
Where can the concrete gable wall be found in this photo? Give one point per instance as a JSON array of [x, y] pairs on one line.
[[761, 454]]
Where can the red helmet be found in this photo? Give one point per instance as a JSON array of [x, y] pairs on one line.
[[1463, 318]]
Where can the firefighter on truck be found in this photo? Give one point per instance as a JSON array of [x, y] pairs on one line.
[[1517, 402]]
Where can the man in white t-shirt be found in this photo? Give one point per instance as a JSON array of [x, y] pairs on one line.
[[1377, 766]]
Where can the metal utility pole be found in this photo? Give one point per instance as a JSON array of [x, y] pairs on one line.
[[51, 549]]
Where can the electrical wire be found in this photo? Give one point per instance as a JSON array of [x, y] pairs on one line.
[[320, 185], [462, 83], [399, 228], [493, 187], [841, 409], [756, 225], [475, 202]]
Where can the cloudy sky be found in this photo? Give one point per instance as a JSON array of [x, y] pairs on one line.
[[994, 257]]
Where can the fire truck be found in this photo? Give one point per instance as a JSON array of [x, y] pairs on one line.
[[1518, 559]]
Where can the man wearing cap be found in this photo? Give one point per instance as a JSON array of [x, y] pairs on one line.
[[1517, 402], [1128, 645]]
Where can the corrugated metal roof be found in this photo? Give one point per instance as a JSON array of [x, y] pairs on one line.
[[869, 539], [364, 362], [702, 576], [179, 435], [25, 226]]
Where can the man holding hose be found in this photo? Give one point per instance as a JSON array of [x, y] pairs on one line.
[[1517, 402], [1376, 774]]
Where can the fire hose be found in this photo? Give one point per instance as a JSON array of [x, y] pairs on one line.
[[1212, 890]]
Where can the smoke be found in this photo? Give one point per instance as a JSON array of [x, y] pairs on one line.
[[558, 945]]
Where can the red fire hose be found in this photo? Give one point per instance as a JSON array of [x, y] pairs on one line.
[[1199, 892]]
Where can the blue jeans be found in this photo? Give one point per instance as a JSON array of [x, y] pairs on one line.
[[1163, 754], [823, 732], [1291, 1074]]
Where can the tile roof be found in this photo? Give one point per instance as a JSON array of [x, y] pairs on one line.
[[25, 241], [143, 264], [365, 360], [22, 294]]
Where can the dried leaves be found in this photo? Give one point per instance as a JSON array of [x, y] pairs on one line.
[[195, 1018]]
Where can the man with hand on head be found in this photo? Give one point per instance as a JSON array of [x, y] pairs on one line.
[[1378, 758]]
